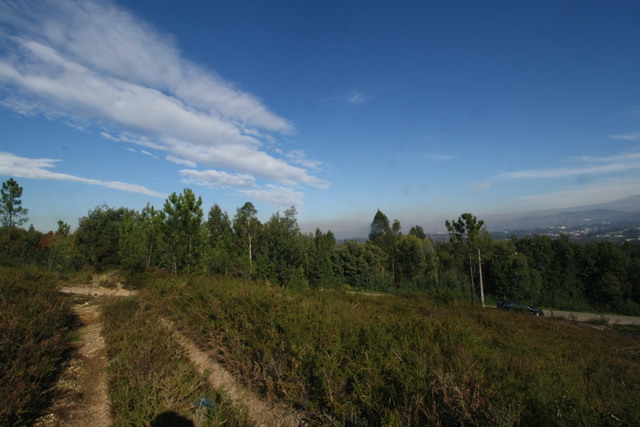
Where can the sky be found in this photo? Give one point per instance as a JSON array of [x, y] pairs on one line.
[[424, 110]]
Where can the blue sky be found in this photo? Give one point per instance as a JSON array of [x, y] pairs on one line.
[[424, 110]]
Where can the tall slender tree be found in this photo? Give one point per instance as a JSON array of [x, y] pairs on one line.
[[220, 240], [11, 210], [466, 231], [246, 227], [183, 216], [386, 237]]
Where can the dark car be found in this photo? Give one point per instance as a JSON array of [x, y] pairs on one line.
[[518, 306]]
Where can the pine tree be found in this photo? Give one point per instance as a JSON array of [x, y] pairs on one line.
[[11, 210]]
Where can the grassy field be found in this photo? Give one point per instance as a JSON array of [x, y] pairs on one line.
[[151, 380], [344, 358], [36, 329], [360, 360]]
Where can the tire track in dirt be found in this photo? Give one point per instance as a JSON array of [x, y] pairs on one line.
[[83, 390], [260, 411], [81, 393]]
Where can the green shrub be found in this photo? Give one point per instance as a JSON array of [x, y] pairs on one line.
[[150, 375], [36, 327], [355, 359]]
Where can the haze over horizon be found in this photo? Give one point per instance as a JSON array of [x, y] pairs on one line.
[[421, 110]]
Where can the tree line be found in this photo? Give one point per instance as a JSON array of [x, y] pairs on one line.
[[181, 239]]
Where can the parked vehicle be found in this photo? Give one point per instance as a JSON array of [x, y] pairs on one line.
[[518, 306]]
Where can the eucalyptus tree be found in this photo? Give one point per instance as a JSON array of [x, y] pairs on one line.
[[466, 231], [417, 231], [386, 237], [246, 227], [410, 258]]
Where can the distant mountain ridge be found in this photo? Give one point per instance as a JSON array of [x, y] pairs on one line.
[[569, 219], [619, 220]]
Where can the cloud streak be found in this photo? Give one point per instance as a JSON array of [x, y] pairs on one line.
[[276, 195], [635, 136], [22, 167], [594, 166], [609, 191], [217, 179], [95, 64], [357, 97]]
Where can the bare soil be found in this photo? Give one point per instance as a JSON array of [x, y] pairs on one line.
[[586, 317], [80, 395], [98, 291]]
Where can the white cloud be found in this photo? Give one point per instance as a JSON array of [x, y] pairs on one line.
[[22, 167], [299, 157], [181, 161], [635, 136], [217, 179], [357, 97], [93, 63], [243, 158], [276, 195]]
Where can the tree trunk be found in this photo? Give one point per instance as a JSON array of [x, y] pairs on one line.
[[473, 287]]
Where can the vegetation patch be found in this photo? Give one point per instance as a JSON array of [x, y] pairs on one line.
[[151, 380], [359, 360], [36, 327]]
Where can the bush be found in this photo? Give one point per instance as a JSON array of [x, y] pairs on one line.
[[370, 360], [37, 324], [150, 376]]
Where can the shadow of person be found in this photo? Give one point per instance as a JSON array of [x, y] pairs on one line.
[[171, 419]]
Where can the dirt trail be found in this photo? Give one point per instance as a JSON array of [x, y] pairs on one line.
[[585, 317], [260, 411], [96, 291], [80, 395]]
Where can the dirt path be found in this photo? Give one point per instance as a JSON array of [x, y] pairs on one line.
[[585, 317], [96, 291], [80, 396], [260, 411]]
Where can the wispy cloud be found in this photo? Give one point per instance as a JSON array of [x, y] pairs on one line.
[[609, 191], [178, 161], [428, 156], [437, 157], [299, 157], [92, 63], [634, 136], [482, 186], [590, 166], [217, 179], [22, 167], [357, 97], [276, 195]]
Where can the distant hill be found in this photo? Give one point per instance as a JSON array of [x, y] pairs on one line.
[[591, 217], [618, 220]]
